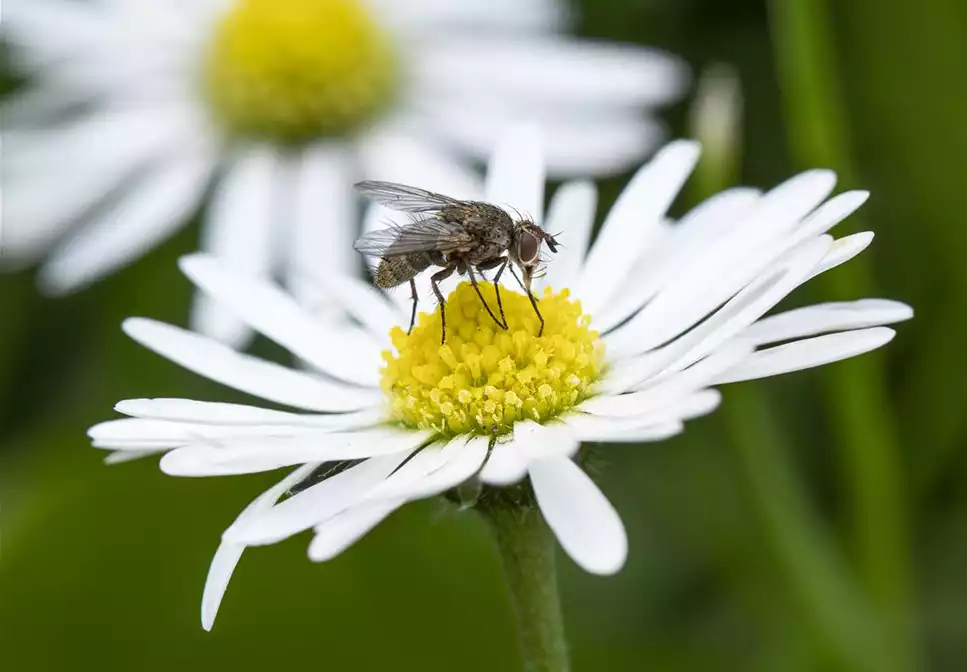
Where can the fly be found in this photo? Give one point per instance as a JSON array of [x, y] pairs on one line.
[[468, 237]]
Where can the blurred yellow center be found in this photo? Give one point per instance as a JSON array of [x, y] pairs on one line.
[[485, 379], [296, 70]]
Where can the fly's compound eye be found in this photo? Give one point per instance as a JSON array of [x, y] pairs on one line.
[[528, 248]]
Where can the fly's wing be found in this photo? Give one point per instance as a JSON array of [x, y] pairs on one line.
[[426, 235], [405, 199]]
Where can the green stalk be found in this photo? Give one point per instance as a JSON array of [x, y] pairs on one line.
[[836, 617], [527, 549], [858, 404]]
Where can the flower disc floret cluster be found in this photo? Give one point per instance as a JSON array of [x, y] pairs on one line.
[[485, 378], [296, 70]]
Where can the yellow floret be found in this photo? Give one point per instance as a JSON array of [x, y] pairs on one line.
[[297, 70], [485, 379]]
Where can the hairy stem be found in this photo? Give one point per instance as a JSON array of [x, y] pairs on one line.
[[527, 549]]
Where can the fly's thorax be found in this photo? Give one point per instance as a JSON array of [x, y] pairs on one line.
[[394, 271]]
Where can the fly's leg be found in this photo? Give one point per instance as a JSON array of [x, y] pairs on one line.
[[522, 286], [500, 262], [530, 295], [434, 280], [517, 278], [476, 287], [416, 299]]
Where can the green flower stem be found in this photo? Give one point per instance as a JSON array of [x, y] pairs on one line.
[[859, 406], [527, 550]]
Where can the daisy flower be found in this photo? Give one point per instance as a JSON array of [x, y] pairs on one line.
[[139, 109], [640, 327]]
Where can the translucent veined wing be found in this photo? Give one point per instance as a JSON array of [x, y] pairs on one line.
[[403, 198], [426, 235]]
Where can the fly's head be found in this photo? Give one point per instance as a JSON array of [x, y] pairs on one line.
[[525, 248]]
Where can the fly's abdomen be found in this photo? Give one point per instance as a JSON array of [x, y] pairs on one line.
[[394, 271]]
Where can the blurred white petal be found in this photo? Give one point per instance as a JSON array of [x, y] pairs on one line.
[[324, 224], [130, 226], [515, 173], [239, 224], [569, 73]]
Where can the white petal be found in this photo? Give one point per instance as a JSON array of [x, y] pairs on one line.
[[825, 317], [435, 469], [209, 412], [575, 146], [634, 222], [249, 455], [346, 528], [571, 214], [712, 275], [745, 307], [534, 441], [419, 466], [180, 433], [843, 250], [216, 583], [808, 353], [613, 430], [32, 26], [315, 504], [702, 228], [611, 420], [81, 163], [661, 399], [121, 456], [217, 413], [325, 224], [831, 213], [263, 379], [361, 301], [134, 445], [459, 468], [508, 459], [568, 73], [430, 18], [228, 554], [238, 229], [583, 520], [515, 172], [272, 312], [505, 465], [141, 219]]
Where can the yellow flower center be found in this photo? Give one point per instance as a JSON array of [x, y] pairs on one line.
[[484, 379], [296, 70]]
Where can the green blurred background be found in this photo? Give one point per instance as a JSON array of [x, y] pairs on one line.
[[816, 522]]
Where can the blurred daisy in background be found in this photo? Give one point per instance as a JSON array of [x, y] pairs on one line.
[[139, 109], [640, 325]]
